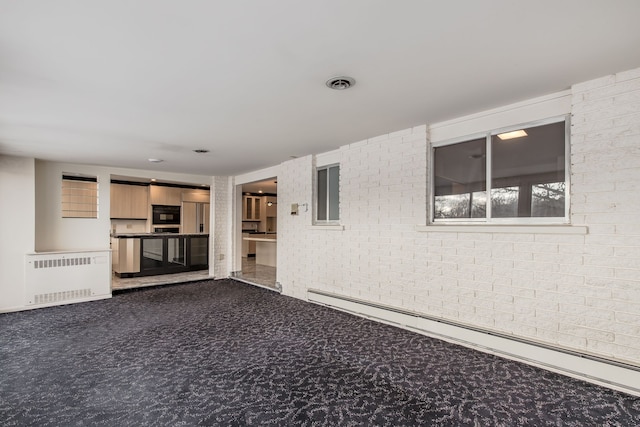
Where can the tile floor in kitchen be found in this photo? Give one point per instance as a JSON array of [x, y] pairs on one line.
[[257, 274]]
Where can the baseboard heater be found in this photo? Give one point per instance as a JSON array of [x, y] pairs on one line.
[[609, 373], [54, 278]]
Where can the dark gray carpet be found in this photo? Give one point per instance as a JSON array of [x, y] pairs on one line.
[[226, 353]]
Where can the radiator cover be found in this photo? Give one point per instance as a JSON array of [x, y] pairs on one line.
[[54, 278]]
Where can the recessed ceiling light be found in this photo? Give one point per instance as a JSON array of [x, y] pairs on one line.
[[260, 191], [511, 135], [156, 160], [153, 180], [201, 150], [340, 83]]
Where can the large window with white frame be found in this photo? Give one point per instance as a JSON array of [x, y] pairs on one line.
[[328, 194], [514, 175]]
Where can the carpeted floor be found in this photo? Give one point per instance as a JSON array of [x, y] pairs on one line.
[[226, 353]]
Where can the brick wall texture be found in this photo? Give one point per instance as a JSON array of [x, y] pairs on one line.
[[580, 292], [222, 225]]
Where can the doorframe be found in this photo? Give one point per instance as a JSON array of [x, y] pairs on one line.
[[238, 181]]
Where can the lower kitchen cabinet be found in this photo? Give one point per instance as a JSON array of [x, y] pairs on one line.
[[149, 255]]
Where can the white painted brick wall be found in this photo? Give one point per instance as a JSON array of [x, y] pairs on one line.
[[581, 292], [222, 226]]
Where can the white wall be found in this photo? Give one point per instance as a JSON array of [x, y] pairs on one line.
[[575, 291], [17, 185], [54, 233]]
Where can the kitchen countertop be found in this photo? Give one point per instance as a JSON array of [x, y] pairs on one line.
[[259, 239]]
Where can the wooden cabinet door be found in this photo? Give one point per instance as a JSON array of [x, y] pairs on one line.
[[252, 208], [118, 200], [139, 201], [129, 201], [168, 196]]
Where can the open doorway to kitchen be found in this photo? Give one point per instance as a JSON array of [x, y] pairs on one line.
[[260, 232]]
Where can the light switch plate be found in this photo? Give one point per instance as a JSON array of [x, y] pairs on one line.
[[294, 209]]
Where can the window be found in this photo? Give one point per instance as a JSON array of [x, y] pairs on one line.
[[503, 176], [79, 196], [328, 194]]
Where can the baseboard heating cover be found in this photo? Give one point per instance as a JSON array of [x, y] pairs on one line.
[[618, 376], [54, 278]]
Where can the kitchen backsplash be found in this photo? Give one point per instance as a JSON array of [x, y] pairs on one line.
[[120, 226]]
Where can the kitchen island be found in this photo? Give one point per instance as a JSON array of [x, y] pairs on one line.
[[148, 254], [266, 248]]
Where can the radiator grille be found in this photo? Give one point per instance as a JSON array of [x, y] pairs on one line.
[[61, 262], [61, 296]]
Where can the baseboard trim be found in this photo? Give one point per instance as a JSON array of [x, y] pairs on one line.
[[611, 374], [54, 304]]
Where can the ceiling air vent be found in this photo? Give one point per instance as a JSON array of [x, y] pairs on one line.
[[341, 83]]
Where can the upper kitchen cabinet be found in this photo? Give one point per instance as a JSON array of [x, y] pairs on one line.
[[129, 201], [168, 196], [251, 208], [195, 196]]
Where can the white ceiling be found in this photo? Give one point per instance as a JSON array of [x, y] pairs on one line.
[[116, 82]]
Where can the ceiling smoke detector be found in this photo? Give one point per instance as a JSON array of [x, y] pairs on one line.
[[341, 83]]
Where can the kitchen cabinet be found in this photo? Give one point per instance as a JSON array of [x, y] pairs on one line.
[[251, 208], [129, 201], [168, 196], [195, 217], [152, 254], [195, 196]]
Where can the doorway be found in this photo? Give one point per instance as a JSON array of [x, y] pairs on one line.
[[259, 239]]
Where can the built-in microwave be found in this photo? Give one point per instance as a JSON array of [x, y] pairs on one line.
[[163, 214]]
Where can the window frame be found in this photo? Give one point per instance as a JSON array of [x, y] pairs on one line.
[[327, 221], [487, 135]]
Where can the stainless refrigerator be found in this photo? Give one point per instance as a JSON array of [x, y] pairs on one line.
[[195, 217]]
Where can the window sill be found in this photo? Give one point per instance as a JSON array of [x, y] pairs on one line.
[[522, 229], [327, 227]]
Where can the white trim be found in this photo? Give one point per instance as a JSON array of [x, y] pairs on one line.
[[555, 104], [328, 158], [54, 304], [609, 375], [520, 229], [258, 175]]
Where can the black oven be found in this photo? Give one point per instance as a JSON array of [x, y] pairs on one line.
[[163, 215]]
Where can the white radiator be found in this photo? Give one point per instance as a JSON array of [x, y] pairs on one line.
[[55, 278]]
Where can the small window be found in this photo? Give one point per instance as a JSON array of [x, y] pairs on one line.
[[79, 196], [503, 176], [328, 194]]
